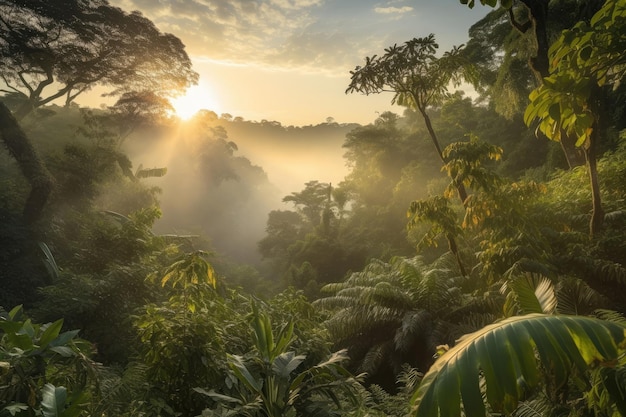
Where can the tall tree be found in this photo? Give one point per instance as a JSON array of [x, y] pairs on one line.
[[417, 77], [532, 18], [583, 60], [52, 50]]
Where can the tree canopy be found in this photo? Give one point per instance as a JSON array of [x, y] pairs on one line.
[[52, 50]]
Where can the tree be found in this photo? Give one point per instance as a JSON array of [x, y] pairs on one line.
[[185, 338], [583, 60], [51, 51], [389, 314], [417, 78], [535, 17], [312, 201]]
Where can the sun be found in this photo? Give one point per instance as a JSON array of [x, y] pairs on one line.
[[197, 97]]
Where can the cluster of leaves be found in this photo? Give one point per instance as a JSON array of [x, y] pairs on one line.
[[43, 371]]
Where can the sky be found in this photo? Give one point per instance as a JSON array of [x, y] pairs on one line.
[[290, 60]]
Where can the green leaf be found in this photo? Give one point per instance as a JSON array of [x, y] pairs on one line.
[[50, 332], [64, 351], [504, 351], [243, 374], [286, 363], [64, 338], [10, 327], [53, 400], [585, 53], [216, 396], [15, 311], [555, 111]]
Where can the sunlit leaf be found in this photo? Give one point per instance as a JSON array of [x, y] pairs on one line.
[[504, 352]]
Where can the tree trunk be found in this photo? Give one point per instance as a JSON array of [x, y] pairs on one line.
[[598, 105], [455, 250], [460, 187], [540, 64], [597, 212], [32, 168], [574, 156]]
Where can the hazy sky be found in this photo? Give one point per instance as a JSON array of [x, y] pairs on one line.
[[289, 60]]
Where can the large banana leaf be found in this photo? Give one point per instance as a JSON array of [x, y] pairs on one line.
[[507, 355]]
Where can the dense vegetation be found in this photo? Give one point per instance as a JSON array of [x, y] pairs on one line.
[[471, 262]]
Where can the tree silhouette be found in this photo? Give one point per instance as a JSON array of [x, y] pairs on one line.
[[417, 78]]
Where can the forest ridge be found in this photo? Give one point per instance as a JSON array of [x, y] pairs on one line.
[[465, 257]]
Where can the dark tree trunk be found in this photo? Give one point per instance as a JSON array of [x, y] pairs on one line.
[[540, 64], [31, 166], [455, 250], [538, 11]]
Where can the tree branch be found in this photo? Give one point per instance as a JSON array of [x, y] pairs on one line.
[[523, 28]]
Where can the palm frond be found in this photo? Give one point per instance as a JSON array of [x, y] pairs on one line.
[[538, 407], [577, 298], [415, 325], [529, 294], [505, 353]]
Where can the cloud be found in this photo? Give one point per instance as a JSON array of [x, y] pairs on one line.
[[393, 10], [327, 36], [237, 30]]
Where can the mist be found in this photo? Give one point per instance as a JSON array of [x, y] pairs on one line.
[[225, 175]]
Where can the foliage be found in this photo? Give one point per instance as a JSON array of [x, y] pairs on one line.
[[504, 355], [104, 263], [410, 71], [43, 370], [390, 314], [585, 56], [79, 45], [271, 381], [184, 339]]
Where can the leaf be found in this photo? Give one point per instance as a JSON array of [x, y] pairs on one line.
[[585, 53], [216, 396], [53, 400], [64, 338], [14, 409], [243, 374], [64, 351], [51, 332], [286, 363], [555, 111], [49, 261], [530, 296], [15, 312], [504, 351]]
